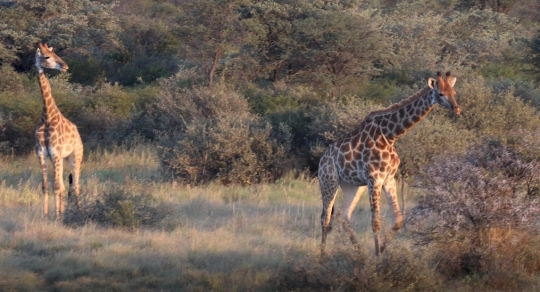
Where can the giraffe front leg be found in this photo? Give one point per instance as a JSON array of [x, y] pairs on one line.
[[390, 191], [374, 199], [45, 184], [58, 187]]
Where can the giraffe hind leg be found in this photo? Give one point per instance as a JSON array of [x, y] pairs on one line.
[[75, 160], [44, 185], [351, 196]]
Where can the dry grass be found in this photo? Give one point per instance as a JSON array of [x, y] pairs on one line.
[[216, 238]]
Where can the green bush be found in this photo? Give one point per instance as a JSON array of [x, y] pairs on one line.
[[177, 106], [235, 149], [495, 113]]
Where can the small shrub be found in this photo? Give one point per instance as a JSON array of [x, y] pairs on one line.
[[120, 209]]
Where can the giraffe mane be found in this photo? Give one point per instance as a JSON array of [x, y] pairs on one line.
[[400, 104]]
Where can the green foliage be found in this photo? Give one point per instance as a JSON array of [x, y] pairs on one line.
[[331, 48], [85, 71], [177, 106], [141, 67], [83, 27], [535, 55], [237, 149], [10, 81], [466, 40], [211, 31], [494, 113]]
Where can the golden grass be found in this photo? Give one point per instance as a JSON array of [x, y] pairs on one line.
[[224, 238], [217, 238]]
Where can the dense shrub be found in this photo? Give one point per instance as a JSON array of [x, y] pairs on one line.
[[178, 106], [209, 133], [10, 81], [494, 112], [230, 148], [435, 136], [400, 269], [21, 112], [480, 212]]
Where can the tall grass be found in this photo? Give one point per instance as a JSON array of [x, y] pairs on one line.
[[212, 237]]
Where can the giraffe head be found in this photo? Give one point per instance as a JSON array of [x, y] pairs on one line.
[[46, 58], [443, 92]]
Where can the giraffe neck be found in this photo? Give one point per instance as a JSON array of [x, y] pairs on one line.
[[50, 110], [397, 119]]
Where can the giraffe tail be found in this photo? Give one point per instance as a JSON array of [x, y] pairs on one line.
[[70, 183]]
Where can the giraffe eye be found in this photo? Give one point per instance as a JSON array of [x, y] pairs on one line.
[[440, 94]]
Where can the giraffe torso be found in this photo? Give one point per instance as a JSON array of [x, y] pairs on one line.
[[361, 155], [57, 138]]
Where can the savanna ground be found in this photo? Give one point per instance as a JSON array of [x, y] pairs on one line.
[[202, 238], [213, 237]]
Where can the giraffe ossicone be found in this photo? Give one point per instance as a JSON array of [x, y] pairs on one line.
[[366, 157], [56, 137]]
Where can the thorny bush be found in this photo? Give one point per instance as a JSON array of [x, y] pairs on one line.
[[480, 211]]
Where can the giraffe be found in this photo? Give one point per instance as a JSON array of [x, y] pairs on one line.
[[367, 157], [56, 137]]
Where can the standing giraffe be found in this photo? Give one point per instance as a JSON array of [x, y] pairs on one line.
[[367, 157], [57, 137]]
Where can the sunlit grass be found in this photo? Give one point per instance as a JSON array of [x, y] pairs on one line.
[[214, 238], [218, 238]]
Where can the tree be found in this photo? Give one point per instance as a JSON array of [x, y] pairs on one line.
[[210, 30], [336, 44], [272, 22]]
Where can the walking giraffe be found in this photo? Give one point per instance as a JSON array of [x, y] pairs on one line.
[[367, 157], [56, 137]]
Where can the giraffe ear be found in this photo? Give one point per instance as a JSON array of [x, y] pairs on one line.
[[50, 49], [431, 83], [452, 81]]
